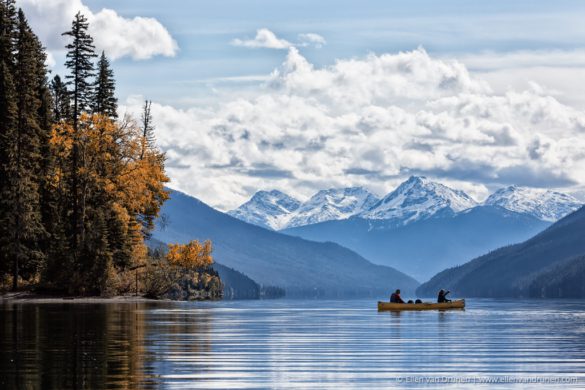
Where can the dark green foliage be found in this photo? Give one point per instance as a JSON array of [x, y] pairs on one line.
[[565, 280], [548, 265], [119, 242], [8, 113], [96, 261], [80, 54], [236, 285], [105, 101], [61, 100], [20, 197]]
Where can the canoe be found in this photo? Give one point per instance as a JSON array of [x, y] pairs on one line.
[[458, 304]]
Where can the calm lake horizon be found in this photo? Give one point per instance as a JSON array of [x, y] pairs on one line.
[[290, 343]]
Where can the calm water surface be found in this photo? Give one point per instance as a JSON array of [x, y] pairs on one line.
[[290, 343]]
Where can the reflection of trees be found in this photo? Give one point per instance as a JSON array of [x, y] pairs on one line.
[[89, 346], [178, 341]]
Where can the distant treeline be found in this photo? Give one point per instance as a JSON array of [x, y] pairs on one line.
[[80, 188]]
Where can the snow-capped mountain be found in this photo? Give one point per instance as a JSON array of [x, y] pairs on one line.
[[544, 204], [419, 198], [269, 209], [333, 204]]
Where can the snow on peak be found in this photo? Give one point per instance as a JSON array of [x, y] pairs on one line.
[[333, 204], [419, 198], [270, 209], [543, 204]]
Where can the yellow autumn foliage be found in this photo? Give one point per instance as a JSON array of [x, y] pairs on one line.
[[115, 167], [193, 255]]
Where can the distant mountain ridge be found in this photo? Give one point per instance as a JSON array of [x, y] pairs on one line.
[[423, 227], [270, 209], [419, 198], [416, 199], [301, 267], [333, 204], [544, 204], [276, 210], [550, 264], [427, 246]]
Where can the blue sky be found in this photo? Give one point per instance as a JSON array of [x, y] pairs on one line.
[[204, 30], [525, 60]]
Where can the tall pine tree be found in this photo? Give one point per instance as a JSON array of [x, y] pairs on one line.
[[8, 115], [105, 100], [21, 198], [80, 53]]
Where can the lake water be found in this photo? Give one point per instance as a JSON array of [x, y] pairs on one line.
[[290, 343]]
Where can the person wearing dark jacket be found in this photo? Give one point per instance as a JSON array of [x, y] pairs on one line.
[[443, 296], [395, 297]]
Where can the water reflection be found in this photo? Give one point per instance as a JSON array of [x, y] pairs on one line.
[[315, 344]]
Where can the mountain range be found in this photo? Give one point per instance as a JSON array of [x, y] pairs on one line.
[[416, 199], [277, 210], [423, 227], [301, 267], [548, 265], [427, 246], [543, 204]]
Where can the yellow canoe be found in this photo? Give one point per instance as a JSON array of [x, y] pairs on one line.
[[458, 304]]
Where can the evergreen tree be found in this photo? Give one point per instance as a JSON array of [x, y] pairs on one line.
[[78, 191], [8, 115], [80, 53], [61, 100], [53, 242], [105, 100], [21, 196]]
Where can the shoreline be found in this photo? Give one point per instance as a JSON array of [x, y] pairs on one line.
[[31, 297]]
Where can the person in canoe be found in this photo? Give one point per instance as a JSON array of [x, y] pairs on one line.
[[395, 297], [443, 296]]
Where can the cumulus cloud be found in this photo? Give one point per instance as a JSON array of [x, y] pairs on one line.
[[139, 37], [267, 39], [371, 121], [264, 38]]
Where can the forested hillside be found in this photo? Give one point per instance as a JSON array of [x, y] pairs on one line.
[[551, 264]]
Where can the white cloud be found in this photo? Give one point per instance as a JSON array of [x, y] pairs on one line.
[[489, 60], [140, 38], [267, 39], [50, 61], [372, 121], [554, 70], [264, 39], [309, 39]]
